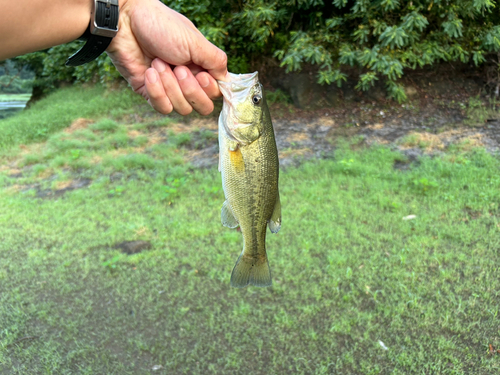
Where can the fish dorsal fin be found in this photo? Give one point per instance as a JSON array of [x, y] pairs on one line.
[[227, 217], [275, 221]]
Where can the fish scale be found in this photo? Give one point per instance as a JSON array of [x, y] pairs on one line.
[[250, 171]]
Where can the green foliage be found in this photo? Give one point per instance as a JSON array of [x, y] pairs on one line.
[[380, 38], [171, 190], [14, 85], [478, 112], [424, 185], [50, 69], [111, 264], [116, 191], [13, 79], [278, 96]]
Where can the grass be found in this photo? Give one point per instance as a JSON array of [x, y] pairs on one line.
[[425, 141], [353, 274], [478, 112], [60, 108]]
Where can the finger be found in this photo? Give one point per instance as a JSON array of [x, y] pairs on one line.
[[195, 69], [208, 84], [172, 88], [192, 91], [209, 57], [157, 97]]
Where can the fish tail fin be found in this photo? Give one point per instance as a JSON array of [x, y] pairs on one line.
[[254, 271]]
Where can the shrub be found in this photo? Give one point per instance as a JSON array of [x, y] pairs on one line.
[[379, 37]]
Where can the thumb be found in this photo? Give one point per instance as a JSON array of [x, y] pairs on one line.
[[211, 58]]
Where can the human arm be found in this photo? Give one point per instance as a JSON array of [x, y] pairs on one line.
[[149, 35], [28, 26]]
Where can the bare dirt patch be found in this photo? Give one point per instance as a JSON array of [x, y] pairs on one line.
[[61, 189], [78, 124], [155, 138], [134, 133], [133, 247], [424, 126]]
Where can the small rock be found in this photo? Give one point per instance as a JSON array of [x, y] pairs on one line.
[[410, 217], [410, 91], [156, 367]]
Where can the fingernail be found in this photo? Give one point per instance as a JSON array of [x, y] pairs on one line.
[[159, 65], [226, 78], [151, 75], [203, 80], [180, 74]]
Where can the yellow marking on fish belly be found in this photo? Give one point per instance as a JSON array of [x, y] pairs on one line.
[[237, 160]]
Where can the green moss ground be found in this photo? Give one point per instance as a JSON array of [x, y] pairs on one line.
[[348, 271]]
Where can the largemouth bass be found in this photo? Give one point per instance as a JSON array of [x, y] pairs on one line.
[[249, 165]]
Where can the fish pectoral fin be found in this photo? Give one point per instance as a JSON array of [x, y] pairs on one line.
[[275, 221], [233, 145], [227, 217]]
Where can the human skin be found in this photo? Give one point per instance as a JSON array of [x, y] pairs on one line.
[[157, 50]]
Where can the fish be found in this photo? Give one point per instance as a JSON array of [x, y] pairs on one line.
[[249, 167]]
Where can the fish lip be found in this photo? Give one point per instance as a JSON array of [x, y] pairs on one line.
[[238, 83]]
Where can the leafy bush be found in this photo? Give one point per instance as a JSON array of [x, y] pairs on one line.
[[384, 37], [380, 38]]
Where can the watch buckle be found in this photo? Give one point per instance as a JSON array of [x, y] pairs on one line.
[[95, 29]]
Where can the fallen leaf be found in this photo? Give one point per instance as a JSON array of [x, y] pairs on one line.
[[383, 345]]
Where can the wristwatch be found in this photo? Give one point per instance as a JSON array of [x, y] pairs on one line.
[[102, 28]]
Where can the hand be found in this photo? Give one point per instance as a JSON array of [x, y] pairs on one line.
[[151, 39]]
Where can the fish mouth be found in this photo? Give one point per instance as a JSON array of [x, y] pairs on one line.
[[238, 86], [236, 91]]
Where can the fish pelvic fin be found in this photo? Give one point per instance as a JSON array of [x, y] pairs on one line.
[[275, 221], [253, 271], [227, 216]]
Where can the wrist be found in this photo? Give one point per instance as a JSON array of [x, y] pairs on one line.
[[102, 29]]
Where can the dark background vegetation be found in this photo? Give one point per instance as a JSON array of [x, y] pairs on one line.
[[370, 40], [15, 79]]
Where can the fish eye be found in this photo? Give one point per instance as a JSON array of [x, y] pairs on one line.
[[256, 99]]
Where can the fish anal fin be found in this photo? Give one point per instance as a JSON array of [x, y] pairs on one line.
[[275, 221], [227, 217], [250, 270]]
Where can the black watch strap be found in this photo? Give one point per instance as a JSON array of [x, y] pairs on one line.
[[103, 27]]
